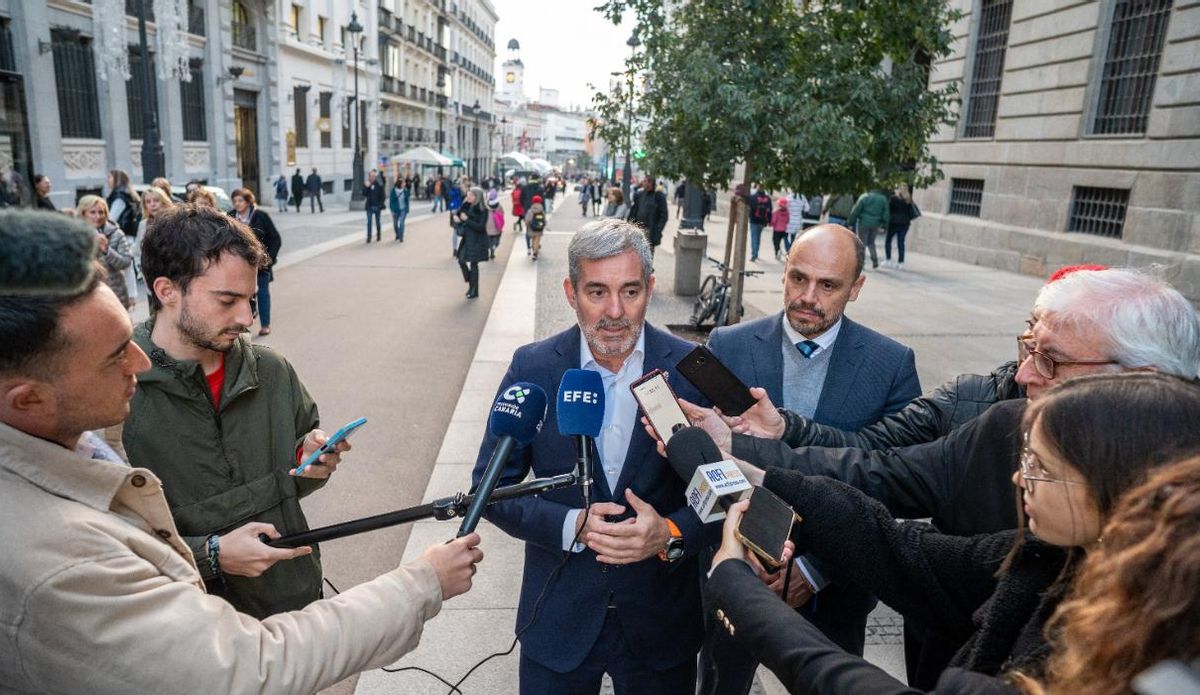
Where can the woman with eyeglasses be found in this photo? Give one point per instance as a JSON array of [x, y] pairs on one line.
[[1086, 442]]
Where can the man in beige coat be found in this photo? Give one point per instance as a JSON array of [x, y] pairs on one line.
[[98, 593]]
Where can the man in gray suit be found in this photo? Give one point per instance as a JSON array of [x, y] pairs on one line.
[[815, 361]]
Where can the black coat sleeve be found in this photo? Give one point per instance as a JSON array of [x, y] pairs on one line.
[[805, 660], [934, 579], [270, 235]]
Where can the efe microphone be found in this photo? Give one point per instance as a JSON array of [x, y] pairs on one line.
[[580, 412], [516, 418]]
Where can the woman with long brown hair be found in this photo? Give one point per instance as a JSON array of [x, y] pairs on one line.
[[246, 211], [1087, 441]]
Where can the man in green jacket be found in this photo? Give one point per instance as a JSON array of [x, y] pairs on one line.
[[871, 213], [221, 421]]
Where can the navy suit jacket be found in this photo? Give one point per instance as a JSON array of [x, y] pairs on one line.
[[870, 375], [658, 604]]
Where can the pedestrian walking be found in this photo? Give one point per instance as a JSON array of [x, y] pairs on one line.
[[495, 223], [398, 204], [375, 195], [649, 209], [901, 212], [616, 204], [597, 196], [454, 202], [797, 206], [779, 225], [312, 186], [839, 208], [124, 205], [473, 248], [812, 212], [115, 253], [535, 221], [41, 193], [871, 213], [551, 191], [680, 192], [585, 195], [297, 189], [281, 193], [760, 217], [248, 213]]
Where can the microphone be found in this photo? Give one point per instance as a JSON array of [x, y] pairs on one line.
[[516, 418], [715, 481], [44, 254], [580, 411]]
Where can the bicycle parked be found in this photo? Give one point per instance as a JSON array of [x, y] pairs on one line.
[[713, 300]]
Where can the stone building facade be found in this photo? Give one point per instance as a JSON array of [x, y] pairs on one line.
[[1078, 139], [63, 120]]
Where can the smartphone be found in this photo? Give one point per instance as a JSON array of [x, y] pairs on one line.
[[715, 381], [658, 401], [333, 441], [766, 526]]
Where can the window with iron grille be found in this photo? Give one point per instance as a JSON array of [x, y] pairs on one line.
[[135, 96], [195, 20], [990, 43], [192, 102], [75, 80], [1135, 45], [7, 59], [347, 184], [966, 196], [300, 112], [327, 132], [1099, 211], [242, 27]]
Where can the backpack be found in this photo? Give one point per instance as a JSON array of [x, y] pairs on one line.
[[760, 211], [537, 223], [131, 217], [498, 219]]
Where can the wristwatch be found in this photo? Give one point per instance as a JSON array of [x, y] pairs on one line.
[[674, 549]]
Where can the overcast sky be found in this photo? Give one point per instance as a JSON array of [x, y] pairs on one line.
[[565, 44]]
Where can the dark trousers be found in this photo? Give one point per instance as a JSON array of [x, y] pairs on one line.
[[299, 197], [899, 233], [470, 273], [867, 234], [611, 655], [314, 201], [778, 240], [373, 214], [263, 298]]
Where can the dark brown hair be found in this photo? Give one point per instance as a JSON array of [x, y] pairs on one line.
[[244, 193], [182, 241]]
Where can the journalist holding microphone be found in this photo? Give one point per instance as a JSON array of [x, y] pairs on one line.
[[98, 591]]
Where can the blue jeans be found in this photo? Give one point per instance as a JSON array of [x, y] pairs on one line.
[[398, 225], [437, 202], [373, 214], [263, 299], [755, 239]]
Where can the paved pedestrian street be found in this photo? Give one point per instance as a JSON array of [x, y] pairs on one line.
[[383, 331]]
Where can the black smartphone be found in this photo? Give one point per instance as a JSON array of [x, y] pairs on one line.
[[657, 400], [766, 526], [715, 381]]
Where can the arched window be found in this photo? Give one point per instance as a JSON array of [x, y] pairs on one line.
[[243, 27]]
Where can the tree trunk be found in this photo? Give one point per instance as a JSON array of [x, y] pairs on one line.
[[739, 222]]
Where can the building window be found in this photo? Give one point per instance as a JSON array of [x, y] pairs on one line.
[[8, 60], [192, 103], [1135, 45], [1098, 211], [346, 123], [135, 96], [994, 19], [321, 26], [242, 27], [195, 20], [326, 126], [300, 109], [295, 19], [966, 196], [348, 185], [75, 78]]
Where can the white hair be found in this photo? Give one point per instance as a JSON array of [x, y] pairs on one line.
[[1145, 321]]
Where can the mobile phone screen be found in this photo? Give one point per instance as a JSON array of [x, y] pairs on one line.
[[766, 526], [658, 402]]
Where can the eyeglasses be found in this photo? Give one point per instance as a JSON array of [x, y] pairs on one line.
[[1045, 364], [1032, 470]]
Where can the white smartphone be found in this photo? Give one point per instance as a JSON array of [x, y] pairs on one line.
[[658, 401]]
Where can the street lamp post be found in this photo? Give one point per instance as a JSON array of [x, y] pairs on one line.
[[356, 192], [152, 150], [441, 101], [633, 43], [475, 162]]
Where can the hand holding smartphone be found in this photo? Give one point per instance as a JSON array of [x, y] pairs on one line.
[[658, 401], [716, 382], [330, 444]]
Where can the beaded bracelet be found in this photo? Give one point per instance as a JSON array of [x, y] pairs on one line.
[[214, 551]]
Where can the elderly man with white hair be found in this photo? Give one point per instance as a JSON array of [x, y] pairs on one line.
[[1088, 322]]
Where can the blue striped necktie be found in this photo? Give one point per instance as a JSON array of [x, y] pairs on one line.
[[807, 348]]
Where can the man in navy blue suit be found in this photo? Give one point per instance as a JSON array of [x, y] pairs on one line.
[[816, 362], [626, 600]]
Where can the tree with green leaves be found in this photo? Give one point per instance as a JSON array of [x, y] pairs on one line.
[[808, 96]]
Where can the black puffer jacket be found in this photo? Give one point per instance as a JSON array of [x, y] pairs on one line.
[[925, 419], [474, 245], [945, 584]]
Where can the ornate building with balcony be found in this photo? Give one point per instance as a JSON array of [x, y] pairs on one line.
[[316, 91], [67, 112]]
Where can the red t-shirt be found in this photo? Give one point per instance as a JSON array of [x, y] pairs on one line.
[[216, 381]]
